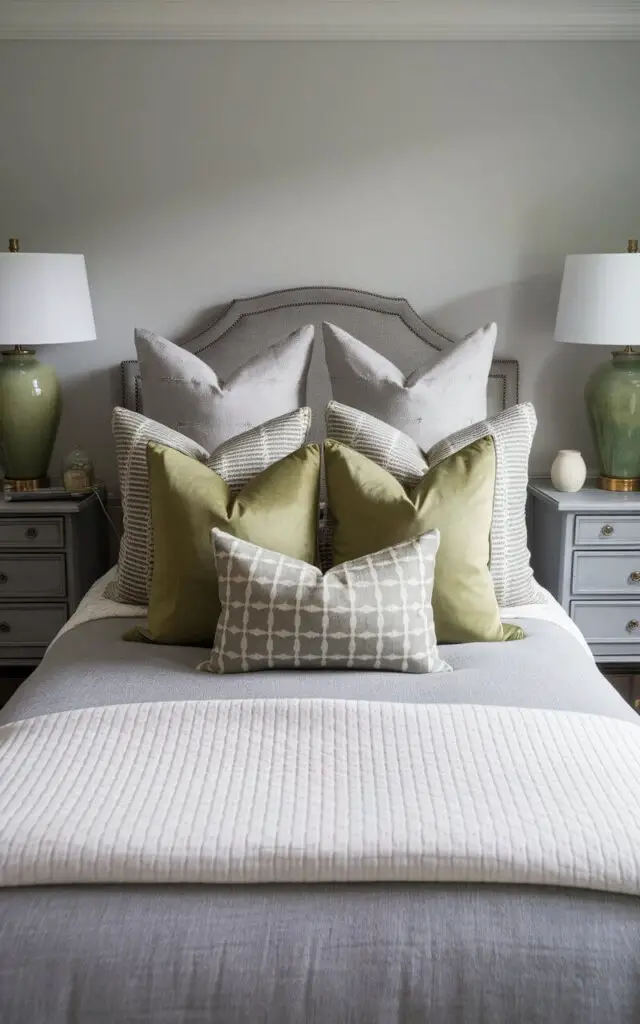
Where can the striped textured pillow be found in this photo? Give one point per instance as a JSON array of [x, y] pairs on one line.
[[370, 613], [512, 432], [383, 444], [237, 461]]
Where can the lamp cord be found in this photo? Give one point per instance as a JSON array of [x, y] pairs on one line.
[[96, 491]]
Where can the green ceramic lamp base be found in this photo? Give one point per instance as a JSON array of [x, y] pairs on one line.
[[612, 394], [30, 407]]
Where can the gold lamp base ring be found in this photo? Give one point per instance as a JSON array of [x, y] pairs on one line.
[[613, 483], [26, 485]]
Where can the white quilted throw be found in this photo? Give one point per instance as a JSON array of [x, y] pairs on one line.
[[320, 790]]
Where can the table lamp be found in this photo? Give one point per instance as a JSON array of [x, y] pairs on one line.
[[600, 305], [44, 300]]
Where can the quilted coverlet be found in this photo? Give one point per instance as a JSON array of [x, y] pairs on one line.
[[313, 790]]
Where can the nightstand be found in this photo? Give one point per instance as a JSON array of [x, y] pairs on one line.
[[585, 549], [50, 554]]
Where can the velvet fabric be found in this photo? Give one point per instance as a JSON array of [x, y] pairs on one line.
[[372, 510], [276, 509]]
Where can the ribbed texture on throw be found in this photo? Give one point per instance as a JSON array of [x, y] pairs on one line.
[[320, 790]]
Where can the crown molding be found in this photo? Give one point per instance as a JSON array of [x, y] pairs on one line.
[[321, 19]]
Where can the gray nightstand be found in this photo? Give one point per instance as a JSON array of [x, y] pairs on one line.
[[50, 554], [585, 549]]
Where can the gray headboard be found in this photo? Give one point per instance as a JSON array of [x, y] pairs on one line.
[[391, 326]]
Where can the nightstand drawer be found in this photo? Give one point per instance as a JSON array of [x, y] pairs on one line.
[[608, 621], [32, 532], [30, 625], [607, 530], [32, 576], [606, 572]]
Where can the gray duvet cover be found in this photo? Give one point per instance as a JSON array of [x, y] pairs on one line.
[[343, 953]]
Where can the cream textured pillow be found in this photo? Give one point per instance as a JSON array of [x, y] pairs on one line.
[[512, 432], [433, 401], [237, 461], [371, 613], [180, 390]]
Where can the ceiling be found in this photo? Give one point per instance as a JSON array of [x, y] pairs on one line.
[[320, 19]]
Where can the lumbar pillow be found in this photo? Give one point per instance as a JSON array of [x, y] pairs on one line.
[[512, 432], [237, 461], [183, 392], [277, 509], [434, 400], [371, 510], [279, 612]]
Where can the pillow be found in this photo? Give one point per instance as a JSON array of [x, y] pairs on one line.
[[379, 441], [371, 613], [512, 432], [277, 509], [434, 400], [183, 392], [371, 510], [236, 461]]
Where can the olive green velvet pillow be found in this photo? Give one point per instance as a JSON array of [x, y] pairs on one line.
[[372, 510], [277, 510]]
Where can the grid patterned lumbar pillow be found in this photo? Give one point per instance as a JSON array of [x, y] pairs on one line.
[[371, 613], [512, 432], [428, 404], [182, 391], [237, 461]]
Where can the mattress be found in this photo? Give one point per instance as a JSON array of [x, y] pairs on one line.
[[332, 952]]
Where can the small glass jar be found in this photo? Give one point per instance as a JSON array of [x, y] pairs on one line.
[[77, 471]]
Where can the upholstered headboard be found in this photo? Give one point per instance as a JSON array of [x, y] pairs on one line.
[[391, 326]]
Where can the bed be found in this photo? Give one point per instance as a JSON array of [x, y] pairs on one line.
[[389, 949]]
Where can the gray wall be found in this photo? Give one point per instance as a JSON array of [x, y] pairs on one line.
[[457, 175]]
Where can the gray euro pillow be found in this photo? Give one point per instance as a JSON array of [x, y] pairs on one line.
[[436, 399], [183, 392]]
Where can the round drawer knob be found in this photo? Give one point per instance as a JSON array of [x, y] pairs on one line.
[[607, 530], [3, 577], [31, 533], [634, 577], [632, 625], [5, 627]]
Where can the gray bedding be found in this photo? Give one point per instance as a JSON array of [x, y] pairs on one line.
[[343, 953]]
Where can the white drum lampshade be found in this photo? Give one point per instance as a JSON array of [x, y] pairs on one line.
[[600, 305], [600, 300], [44, 300]]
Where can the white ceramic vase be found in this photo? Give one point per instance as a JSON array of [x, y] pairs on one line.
[[568, 472]]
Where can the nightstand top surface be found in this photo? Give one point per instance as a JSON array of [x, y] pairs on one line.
[[44, 508], [589, 499]]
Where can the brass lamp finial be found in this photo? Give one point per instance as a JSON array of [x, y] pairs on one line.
[[14, 245], [633, 245]]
